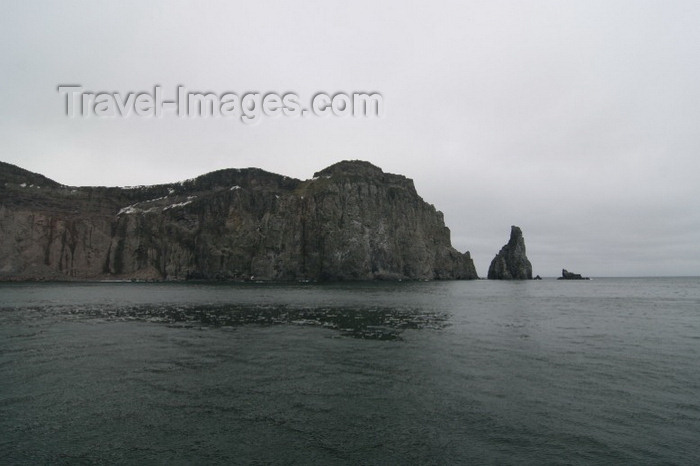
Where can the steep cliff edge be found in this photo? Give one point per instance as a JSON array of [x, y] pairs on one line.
[[351, 221], [511, 262]]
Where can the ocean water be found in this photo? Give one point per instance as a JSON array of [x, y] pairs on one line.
[[540, 372]]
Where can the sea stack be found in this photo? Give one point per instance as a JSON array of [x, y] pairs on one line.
[[511, 262]]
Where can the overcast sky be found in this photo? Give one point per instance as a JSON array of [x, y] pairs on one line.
[[577, 121]]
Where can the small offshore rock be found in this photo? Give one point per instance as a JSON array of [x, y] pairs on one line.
[[566, 275]]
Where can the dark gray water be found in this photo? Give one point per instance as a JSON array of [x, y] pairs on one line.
[[598, 372]]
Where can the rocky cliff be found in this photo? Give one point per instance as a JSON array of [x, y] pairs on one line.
[[511, 262], [351, 221]]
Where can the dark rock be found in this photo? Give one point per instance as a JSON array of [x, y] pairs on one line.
[[566, 275], [351, 221], [511, 262], [537, 278]]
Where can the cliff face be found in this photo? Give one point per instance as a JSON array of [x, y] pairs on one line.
[[511, 263], [351, 221]]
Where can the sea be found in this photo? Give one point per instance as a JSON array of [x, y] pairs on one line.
[[605, 371]]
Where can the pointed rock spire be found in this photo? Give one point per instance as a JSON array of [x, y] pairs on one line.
[[511, 262]]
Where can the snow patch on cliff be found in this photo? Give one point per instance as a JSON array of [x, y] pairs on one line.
[[179, 204]]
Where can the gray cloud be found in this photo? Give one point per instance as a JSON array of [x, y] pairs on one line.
[[575, 120]]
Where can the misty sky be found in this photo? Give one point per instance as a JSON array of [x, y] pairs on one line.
[[577, 121]]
